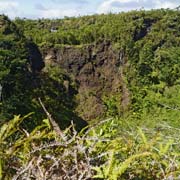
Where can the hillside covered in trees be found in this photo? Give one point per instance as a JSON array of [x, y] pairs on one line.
[[111, 85]]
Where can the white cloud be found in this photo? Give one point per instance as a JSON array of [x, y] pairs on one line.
[[113, 5], [40, 6], [4, 5], [79, 2], [9, 8], [126, 5], [166, 4], [57, 13], [61, 8]]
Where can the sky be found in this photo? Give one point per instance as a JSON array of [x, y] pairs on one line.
[[35, 9]]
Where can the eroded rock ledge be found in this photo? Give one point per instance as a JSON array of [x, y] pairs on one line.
[[97, 69]]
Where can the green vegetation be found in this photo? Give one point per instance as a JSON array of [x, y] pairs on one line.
[[150, 43], [23, 82], [104, 151], [141, 138], [14, 65]]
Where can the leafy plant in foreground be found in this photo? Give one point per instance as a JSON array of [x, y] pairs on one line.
[[89, 154]]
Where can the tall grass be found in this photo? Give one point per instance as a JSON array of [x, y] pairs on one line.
[[97, 152]]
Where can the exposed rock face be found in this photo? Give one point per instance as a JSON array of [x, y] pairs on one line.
[[96, 68]]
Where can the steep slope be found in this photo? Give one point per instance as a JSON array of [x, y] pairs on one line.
[[17, 67], [22, 81], [96, 71]]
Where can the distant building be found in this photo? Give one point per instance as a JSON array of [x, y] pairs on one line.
[[53, 29]]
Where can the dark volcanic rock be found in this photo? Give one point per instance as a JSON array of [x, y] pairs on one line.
[[96, 68]]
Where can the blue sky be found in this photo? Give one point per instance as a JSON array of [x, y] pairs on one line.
[[60, 8]]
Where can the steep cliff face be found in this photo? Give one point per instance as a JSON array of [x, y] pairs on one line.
[[18, 67], [97, 69]]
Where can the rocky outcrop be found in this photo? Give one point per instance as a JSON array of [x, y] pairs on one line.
[[96, 69]]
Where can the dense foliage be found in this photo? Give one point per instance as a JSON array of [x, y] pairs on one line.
[[22, 81], [99, 152], [150, 41], [141, 141], [14, 72]]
